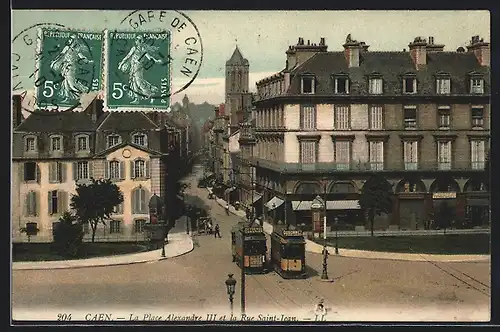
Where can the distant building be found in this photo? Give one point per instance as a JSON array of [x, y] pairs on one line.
[[52, 151], [329, 120]]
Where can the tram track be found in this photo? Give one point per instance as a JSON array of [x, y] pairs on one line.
[[274, 285]]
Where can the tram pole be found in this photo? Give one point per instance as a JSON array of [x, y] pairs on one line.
[[324, 274]]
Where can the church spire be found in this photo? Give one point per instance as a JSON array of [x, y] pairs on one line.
[[237, 58]]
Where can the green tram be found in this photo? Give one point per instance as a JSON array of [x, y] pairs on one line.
[[288, 253], [250, 242]]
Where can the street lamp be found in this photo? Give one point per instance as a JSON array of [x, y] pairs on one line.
[[163, 249], [336, 236], [231, 286], [324, 274]]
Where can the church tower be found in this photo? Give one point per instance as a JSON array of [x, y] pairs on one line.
[[238, 98]]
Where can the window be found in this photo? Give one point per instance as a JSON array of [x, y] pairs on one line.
[[307, 84], [31, 204], [115, 170], [477, 154], [376, 120], [308, 151], [443, 86], [86, 227], [444, 117], [444, 155], [477, 114], [82, 170], [342, 154], [410, 85], [410, 117], [30, 144], [56, 172], [375, 86], [139, 201], [113, 140], [308, 117], [139, 169], [342, 118], [82, 143], [476, 85], [139, 225], [342, 85], [30, 171], [53, 204], [411, 155], [114, 226], [140, 139], [118, 209], [376, 155], [56, 143]]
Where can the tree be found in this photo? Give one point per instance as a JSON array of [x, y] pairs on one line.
[[376, 198], [68, 235], [94, 202]]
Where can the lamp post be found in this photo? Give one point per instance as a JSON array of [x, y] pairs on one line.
[[324, 274], [163, 249], [336, 236], [231, 286]]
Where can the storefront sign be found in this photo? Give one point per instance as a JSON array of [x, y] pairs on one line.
[[252, 230], [292, 233], [444, 195]]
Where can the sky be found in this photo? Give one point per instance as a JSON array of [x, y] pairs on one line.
[[262, 36]]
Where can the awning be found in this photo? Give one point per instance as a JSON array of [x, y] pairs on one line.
[[274, 203], [210, 190], [228, 190], [209, 175], [256, 197], [478, 202], [330, 205]]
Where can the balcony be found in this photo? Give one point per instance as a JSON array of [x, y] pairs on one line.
[[444, 166], [411, 166]]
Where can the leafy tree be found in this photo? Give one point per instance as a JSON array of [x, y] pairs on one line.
[[68, 235], [94, 202], [376, 198]]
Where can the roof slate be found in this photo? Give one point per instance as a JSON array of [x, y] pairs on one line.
[[237, 58], [392, 66], [127, 121], [52, 121]]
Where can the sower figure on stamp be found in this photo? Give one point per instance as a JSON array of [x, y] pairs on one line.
[[217, 231]]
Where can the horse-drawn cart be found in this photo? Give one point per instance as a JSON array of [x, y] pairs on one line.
[[205, 225]]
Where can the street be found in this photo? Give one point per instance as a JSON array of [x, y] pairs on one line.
[[363, 289]]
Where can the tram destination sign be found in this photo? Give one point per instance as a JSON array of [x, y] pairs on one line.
[[252, 230], [292, 233]]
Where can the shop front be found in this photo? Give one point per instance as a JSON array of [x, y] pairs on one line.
[[410, 204], [477, 211], [445, 208]]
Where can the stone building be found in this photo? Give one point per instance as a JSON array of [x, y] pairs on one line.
[[53, 150], [421, 117]]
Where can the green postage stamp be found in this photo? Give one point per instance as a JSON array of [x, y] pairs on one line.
[[138, 70], [68, 64]]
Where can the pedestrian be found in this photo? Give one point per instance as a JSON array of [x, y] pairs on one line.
[[217, 231]]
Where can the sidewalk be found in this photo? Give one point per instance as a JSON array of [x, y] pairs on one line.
[[178, 244], [317, 248]]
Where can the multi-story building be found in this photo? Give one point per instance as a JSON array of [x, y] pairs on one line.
[[421, 117], [53, 151]]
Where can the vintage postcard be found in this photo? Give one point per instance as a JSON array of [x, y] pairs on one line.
[[265, 167]]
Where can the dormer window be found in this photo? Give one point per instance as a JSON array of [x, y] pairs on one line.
[[140, 139], [476, 85], [341, 84], [82, 143], [30, 144], [56, 143], [375, 86], [307, 83], [410, 84], [113, 140], [443, 84]]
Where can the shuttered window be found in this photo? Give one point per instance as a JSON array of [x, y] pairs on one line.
[[139, 201], [114, 170], [342, 119], [411, 155], [376, 121], [376, 155], [139, 168], [308, 117], [82, 170], [342, 154], [31, 204], [308, 152], [57, 172], [57, 202]]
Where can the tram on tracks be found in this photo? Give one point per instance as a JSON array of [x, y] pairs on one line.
[[249, 243], [288, 253]]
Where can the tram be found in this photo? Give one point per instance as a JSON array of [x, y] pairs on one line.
[[250, 242], [288, 253]]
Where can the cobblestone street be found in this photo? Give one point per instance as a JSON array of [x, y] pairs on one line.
[[195, 282]]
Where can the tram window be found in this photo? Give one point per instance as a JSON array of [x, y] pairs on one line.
[[294, 251], [253, 247]]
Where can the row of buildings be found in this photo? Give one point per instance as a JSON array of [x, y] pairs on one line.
[[144, 153], [328, 120]]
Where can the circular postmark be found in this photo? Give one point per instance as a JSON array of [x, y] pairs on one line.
[[151, 56], [64, 65]]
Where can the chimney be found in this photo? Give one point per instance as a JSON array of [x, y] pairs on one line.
[[352, 49], [300, 53], [364, 47], [481, 50], [418, 52], [431, 47], [17, 114]]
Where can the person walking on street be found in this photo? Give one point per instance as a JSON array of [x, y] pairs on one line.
[[217, 231], [227, 209]]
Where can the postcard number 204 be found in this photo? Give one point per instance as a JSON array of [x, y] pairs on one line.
[[63, 317]]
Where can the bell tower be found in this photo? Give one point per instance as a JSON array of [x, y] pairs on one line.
[[238, 98]]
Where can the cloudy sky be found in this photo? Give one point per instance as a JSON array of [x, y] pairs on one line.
[[264, 36]]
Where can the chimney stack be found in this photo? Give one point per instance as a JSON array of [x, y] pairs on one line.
[[431, 47], [17, 114], [352, 49], [418, 52], [481, 50], [302, 52]]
